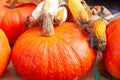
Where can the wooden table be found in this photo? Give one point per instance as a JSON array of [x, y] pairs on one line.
[[11, 74]]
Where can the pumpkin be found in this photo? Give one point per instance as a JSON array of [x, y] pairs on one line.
[[63, 56], [4, 52], [12, 20], [112, 51]]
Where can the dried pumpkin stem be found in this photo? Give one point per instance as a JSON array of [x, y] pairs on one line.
[[49, 8], [48, 28]]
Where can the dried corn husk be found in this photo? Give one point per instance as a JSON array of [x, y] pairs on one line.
[[60, 15]]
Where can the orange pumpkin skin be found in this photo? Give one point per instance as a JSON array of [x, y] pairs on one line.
[[4, 52], [12, 20], [63, 56], [112, 52]]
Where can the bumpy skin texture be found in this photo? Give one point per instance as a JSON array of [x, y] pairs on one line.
[[63, 56], [4, 52], [112, 52], [12, 20]]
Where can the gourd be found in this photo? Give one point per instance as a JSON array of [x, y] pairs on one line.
[[4, 52], [65, 55], [112, 51], [12, 19]]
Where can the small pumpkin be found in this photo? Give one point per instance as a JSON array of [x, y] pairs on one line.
[[112, 51], [63, 56], [12, 20], [4, 52]]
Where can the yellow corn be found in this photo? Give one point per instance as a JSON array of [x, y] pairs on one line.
[[79, 10], [99, 27], [60, 15]]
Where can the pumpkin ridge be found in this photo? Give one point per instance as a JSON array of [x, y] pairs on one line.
[[34, 61], [66, 55], [60, 59], [23, 43], [80, 58], [39, 60], [70, 40], [75, 55]]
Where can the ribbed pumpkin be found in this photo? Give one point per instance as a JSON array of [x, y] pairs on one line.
[[64, 56], [112, 52], [4, 52], [12, 20]]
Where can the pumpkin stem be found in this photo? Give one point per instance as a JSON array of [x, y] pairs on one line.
[[48, 28], [55, 8]]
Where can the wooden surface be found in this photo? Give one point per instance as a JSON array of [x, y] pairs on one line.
[[11, 74]]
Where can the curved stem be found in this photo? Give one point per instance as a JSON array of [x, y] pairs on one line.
[[48, 28]]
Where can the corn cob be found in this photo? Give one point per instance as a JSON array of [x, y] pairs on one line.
[[99, 27], [79, 10]]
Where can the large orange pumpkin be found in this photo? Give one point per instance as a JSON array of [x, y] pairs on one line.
[[63, 56], [4, 52], [12, 20], [112, 52]]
